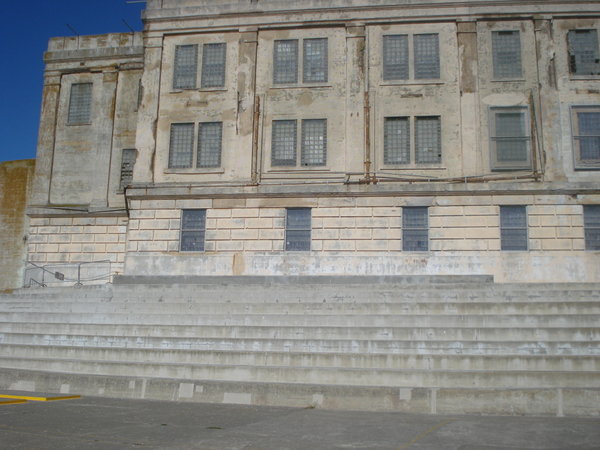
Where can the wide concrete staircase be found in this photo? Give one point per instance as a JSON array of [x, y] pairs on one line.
[[439, 344]]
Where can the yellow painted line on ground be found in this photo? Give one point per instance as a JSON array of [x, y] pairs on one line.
[[424, 433], [39, 399], [11, 402]]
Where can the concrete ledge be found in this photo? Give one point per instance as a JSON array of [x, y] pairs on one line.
[[582, 402]]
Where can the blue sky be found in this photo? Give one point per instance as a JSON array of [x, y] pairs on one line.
[[25, 27]]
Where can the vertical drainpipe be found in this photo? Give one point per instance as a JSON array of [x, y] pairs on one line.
[[367, 101], [256, 116]]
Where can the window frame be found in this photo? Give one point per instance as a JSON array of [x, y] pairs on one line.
[[496, 66], [571, 57], [200, 229], [306, 244], [591, 232], [495, 164], [407, 229], [200, 67], [578, 163], [505, 245], [195, 148], [413, 142], [73, 109], [300, 145], [412, 59], [128, 157], [301, 63]]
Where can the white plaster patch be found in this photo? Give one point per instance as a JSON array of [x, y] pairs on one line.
[[22, 385], [65, 388], [405, 394], [238, 398], [317, 399], [132, 384], [186, 390], [101, 391]]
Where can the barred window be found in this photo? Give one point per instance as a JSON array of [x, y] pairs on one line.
[[314, 142], [428, 147], [415, 229], [510, 139], [127, 162], [427, 56], [315, 60], [591, 224], [506, 54], [584, 57], [193, 226], [283, 143], [395, 57], [185, 67], [181, 145], [80, 104], [586, 136], [396, 140], [285, 61], [209, 144], [213, 65], [513, 228], [297, 229]]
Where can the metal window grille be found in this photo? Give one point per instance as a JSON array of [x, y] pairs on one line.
[[297, 229], [193, 226], [415, 229], [186, 65], [181, 145], [584, 57], [396, 140], [80, 104], [127, 162], [213, 65], [510, 139], [285, 61], [428, 145], [315, 60], [395, 57], [587, 138], [210, 136], [314, 142], [427, 56], [513, 228], [591, 224], [506, 54], [283, 143]]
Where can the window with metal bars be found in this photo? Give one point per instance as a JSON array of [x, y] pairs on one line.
[[181, 145], [297, 229], [397, 142], [506, 54], [127, 162], [193, 227], [314, 142], [584, 56], [213, 65], [283, 143], [425, 56], [585, 122], [185, 67], [209, 144], [591, 225], [513, 227], [315, 61], [80, 104], [510, 139], [415, 229]]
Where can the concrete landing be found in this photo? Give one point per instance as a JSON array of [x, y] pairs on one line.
[[101, 423]]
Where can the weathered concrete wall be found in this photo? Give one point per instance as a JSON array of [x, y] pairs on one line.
[[15, 183]]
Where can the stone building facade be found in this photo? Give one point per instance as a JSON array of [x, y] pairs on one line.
[[270, 137]]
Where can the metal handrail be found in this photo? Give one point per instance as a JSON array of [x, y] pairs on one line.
[[60, 276]]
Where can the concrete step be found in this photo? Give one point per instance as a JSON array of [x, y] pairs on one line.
[[317, 360], [350, 346], [490, 378], [349, 320], [308, 308], [589, 335]]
